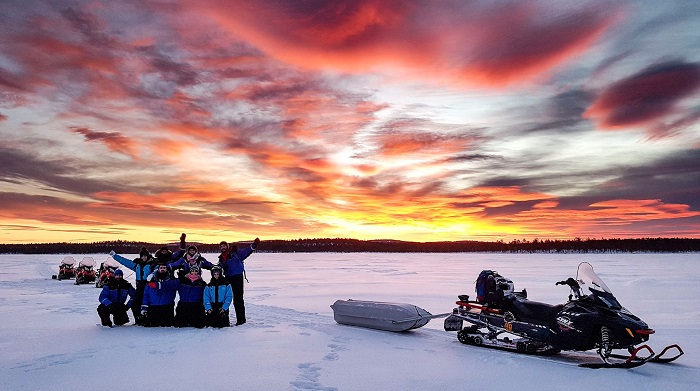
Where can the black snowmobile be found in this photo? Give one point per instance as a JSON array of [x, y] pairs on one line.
[[591, 319]]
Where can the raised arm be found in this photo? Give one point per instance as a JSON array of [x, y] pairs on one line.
[[245, 252], [124, 261], [206, 264], [176, 264]]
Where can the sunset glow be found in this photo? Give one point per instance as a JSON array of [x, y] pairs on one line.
[[409, 120]]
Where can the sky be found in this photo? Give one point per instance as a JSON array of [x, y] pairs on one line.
[[367, 119]]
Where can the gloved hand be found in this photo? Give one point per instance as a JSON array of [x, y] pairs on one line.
[[112, 253], [144, 310], [209, 311], [256, 242], [183, 245], [221, 311]]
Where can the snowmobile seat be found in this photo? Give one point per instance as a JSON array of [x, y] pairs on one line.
[[533, 311]]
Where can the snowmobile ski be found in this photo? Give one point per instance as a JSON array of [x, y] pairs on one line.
[[658, 358], [632, 361]]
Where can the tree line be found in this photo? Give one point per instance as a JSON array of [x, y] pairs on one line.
[[577, 245]]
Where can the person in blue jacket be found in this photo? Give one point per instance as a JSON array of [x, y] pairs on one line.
[[217, 299], [190, 307], [231, 261], [143, 266], [159, 298], [191, 258], [113, 300]]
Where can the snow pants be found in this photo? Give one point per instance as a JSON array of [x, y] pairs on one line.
[[236, 282], [159, 316], [216, 318], [117, 310], [138, 300], [189, 315]]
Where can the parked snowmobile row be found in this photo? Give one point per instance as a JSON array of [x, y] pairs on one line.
[[591, 319], [85, 272]]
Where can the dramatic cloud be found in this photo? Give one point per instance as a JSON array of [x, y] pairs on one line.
[[492, 44], [646, 97]]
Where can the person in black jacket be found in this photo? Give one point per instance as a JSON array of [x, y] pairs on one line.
[[113, 300]]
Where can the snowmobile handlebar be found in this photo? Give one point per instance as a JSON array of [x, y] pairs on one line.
[[570, 282], [575, 287]]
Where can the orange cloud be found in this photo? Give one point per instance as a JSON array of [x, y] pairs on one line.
[[606, 218]]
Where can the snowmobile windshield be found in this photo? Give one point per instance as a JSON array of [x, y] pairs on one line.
[[110, 262], [88, 262], [592, 285]]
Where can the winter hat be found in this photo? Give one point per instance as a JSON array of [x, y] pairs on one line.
[[143, 252], [192, 246], [118, 272], [216, 269], [164, 255], [195, 269]]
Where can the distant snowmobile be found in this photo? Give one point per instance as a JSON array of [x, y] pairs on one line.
[[85, 273], [106, 271], [591, 319], [66, 269]]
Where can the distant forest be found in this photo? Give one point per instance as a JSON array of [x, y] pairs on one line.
[[578, 245]]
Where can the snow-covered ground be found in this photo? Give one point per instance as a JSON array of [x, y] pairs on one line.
[[50, 338]]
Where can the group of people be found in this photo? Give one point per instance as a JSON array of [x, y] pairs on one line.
[[162, 276]]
